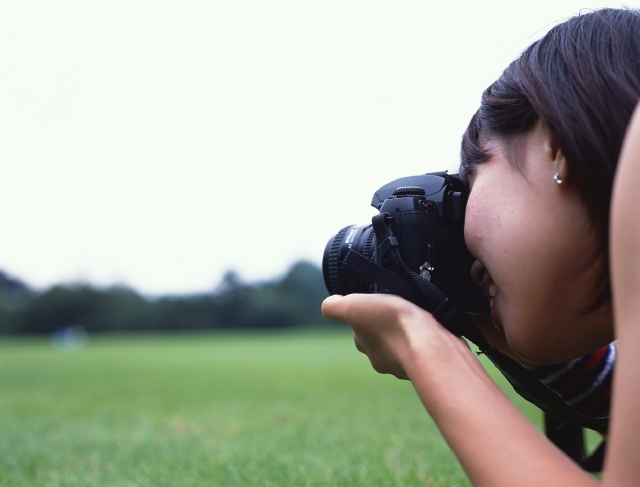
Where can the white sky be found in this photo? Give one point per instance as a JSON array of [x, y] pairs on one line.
[[160, 143]]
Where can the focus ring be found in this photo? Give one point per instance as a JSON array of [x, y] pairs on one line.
[[367, 251], [334, 255]]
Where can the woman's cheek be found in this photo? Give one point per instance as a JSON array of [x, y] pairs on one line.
[[473, 229]]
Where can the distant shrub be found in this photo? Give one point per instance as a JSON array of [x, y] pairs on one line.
[[292, 300]]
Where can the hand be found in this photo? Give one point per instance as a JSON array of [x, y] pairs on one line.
[[391, 331]]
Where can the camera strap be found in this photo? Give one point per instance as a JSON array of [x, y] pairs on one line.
[[399, 279]]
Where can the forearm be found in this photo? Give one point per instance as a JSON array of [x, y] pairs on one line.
[[494, 442]]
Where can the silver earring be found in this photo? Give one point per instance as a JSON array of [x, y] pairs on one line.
[[556, 178]]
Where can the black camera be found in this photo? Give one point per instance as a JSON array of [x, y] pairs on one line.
[[426, 216]]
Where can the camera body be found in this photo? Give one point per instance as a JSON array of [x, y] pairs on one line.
[[426, 213]]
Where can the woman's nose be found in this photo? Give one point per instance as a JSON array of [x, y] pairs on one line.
[[478, 271]]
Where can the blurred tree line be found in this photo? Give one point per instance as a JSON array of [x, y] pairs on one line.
[[292, 300]]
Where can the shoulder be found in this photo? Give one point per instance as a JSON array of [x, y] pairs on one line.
[[625, 221], [621, 465]]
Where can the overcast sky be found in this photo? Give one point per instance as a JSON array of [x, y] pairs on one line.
[[160, 143]]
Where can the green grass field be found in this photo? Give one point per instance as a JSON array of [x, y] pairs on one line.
[[282, 409]]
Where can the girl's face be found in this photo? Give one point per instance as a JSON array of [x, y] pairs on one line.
[[534, 244]]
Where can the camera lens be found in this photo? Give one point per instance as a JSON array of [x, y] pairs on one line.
[[338, 278]]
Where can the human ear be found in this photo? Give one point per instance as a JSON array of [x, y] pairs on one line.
[[556, 157], [561, 168]]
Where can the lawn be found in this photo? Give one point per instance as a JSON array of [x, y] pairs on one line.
[[217, 409]]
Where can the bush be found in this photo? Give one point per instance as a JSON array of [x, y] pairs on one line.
[[292, 300]]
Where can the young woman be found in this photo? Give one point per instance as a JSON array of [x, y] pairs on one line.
[[552, 160]]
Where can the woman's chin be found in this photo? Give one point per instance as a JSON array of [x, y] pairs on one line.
[[495, 314], [533, 351]]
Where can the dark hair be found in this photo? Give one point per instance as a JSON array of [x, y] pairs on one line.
[[582, 80]]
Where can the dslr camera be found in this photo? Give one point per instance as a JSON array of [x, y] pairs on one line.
[[426, 216]]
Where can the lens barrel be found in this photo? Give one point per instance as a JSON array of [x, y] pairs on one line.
[[338, 278]]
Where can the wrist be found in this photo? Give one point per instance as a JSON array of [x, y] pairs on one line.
[[434, 352]]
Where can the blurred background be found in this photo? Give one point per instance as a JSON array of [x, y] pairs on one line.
[[163, 149]]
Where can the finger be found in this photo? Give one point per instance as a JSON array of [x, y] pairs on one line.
[[332, 308], [341, 308]]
